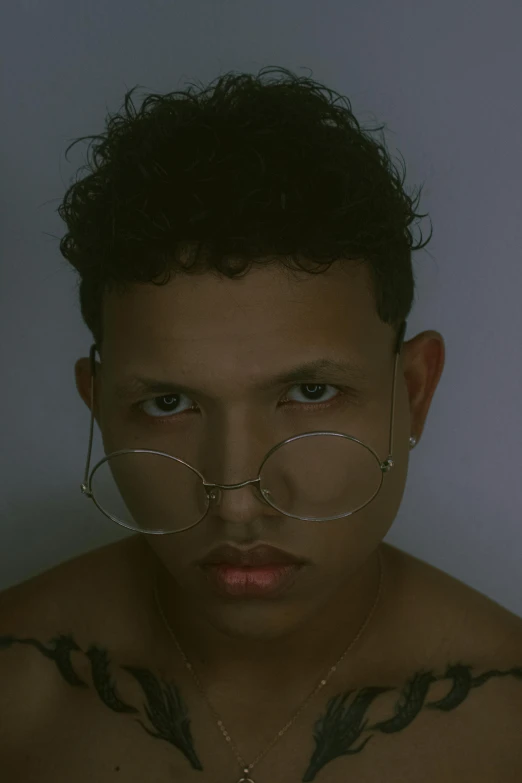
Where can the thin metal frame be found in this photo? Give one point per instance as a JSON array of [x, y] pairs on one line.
[[385, 467]]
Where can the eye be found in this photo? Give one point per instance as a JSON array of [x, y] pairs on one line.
[[170, 403], [315, 392]]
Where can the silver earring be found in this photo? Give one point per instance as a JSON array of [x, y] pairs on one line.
[[413, 442]]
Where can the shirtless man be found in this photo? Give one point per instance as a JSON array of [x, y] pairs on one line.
[[93, 685]]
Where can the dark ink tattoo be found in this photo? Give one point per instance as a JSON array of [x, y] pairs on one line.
[[168, 713], [339, 732]]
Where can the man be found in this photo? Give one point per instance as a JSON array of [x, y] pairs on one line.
[[431, 690], [343, 658]]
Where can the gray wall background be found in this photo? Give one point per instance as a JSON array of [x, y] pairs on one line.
[[445, 77]]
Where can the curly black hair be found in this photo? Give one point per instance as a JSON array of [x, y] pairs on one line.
[[250, 172]]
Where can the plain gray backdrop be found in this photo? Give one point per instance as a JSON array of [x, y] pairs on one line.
[[444, 77]]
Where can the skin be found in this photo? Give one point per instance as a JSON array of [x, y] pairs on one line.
[[221, 336]]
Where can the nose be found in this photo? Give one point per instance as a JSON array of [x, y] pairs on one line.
[[238, 502]]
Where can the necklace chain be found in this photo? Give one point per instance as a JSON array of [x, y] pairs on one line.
[[321, 684]]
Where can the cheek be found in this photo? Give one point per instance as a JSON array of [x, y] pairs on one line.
[[339, 547]]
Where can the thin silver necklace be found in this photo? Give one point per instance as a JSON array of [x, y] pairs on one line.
[[245, 778]]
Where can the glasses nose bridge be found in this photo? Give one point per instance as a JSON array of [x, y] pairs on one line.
[[255, 481], [213, 496]]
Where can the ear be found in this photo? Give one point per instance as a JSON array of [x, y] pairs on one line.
[[423, 363], [82, 372]]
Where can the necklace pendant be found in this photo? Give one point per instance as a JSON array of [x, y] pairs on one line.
[[245, 779]]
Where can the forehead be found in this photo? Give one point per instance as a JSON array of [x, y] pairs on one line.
[[228, 325]]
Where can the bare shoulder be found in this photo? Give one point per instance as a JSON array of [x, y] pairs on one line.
[[49, 627], [468, 641], [450, 614], [87, 597], [95, 593], [462, 655]]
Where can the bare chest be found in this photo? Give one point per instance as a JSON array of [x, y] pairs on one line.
[[435, 726]]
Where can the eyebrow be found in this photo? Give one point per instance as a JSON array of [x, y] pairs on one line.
[[316, 370]]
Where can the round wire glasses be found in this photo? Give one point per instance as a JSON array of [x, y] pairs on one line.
[[207, 491]]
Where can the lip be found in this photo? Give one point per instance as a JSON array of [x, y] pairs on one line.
[[260, 556], [269, 581]]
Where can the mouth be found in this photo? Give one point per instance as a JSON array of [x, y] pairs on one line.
[[252, 581]]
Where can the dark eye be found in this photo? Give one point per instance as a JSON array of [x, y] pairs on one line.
[[167, 403], [314, 392]]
